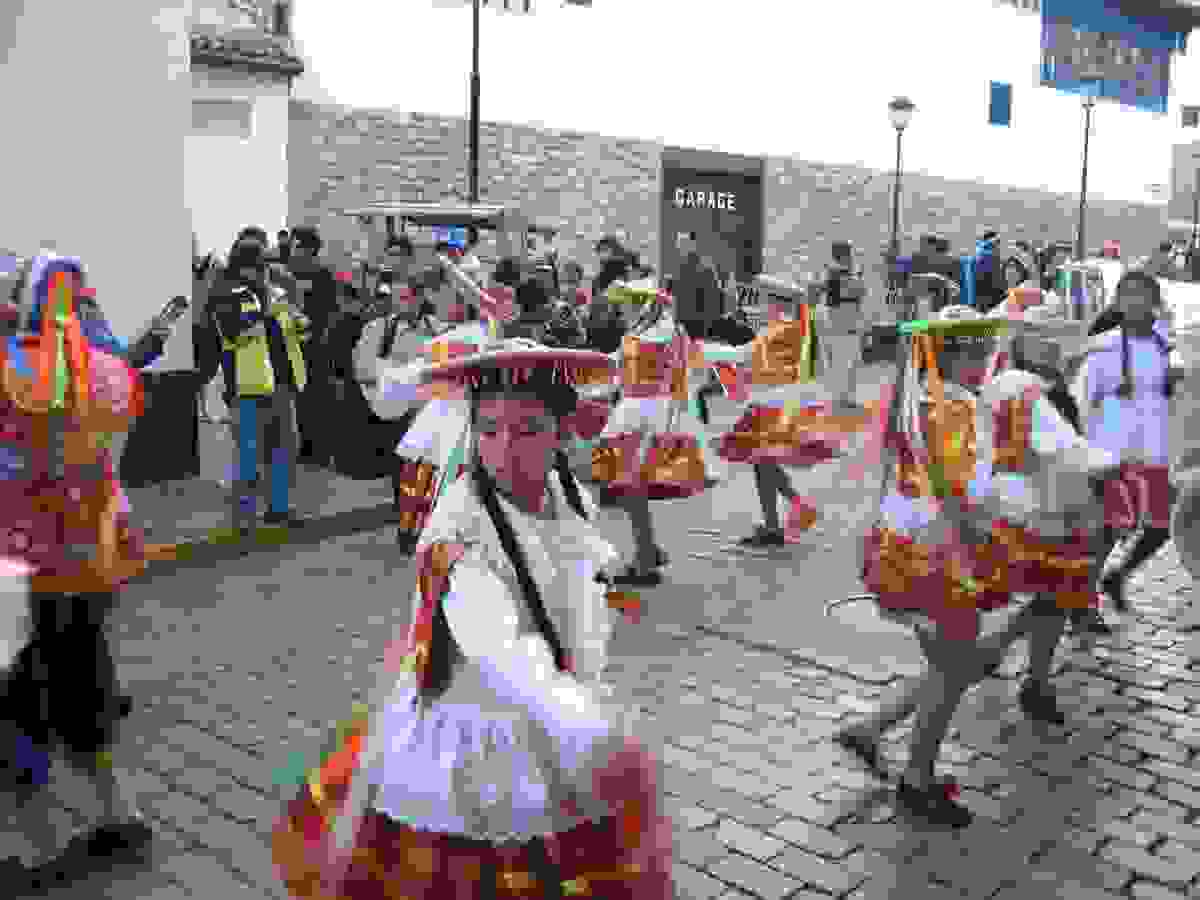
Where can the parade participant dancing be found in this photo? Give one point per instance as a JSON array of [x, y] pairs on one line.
[[63, 394], [492, 767], [433, 448], [786, 402], [651, 447], [1044, 494], [923, 559], [1125, 394]]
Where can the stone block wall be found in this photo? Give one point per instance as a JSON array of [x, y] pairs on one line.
[[809, 205], [591, 185], [588, 185]]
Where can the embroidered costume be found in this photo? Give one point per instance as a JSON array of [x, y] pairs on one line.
[[66, 542], [652, 444], [432, 451], [494, 766], [917, 558], [786, 419]]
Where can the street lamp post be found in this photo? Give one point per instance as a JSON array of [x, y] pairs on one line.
[[900, 110], [473, 187], [1081, 235], [1196, 208]]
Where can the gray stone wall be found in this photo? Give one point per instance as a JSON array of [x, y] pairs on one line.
[[591, 185], [587, 184], [810, 204]]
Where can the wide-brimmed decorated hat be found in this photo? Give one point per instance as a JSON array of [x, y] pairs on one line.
[[957, 321], [515, 360]]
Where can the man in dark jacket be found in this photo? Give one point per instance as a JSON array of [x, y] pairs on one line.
[[697, 293], [264, 369], [317, 296], [606, 324]]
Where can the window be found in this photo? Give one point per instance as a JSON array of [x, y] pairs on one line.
[[1191, 116], [223, 118]]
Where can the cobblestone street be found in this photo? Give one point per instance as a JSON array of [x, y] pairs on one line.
[[234, 671], [743, 671]]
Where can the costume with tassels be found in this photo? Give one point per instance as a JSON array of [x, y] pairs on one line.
[[65, 535], [918, 557], [1040, 485], [789, 419], [652, 446], [432, 453], [780, 373], [491, 765]]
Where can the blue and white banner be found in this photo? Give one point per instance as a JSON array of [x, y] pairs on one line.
[[1092, 48]]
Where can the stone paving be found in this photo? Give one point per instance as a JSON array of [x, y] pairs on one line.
[[235, 670], [742, 677]]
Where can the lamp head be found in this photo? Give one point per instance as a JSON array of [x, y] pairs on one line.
[[900, 110]]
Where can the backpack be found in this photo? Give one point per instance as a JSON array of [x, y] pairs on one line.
[[366, 446]]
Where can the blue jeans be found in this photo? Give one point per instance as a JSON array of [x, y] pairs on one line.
[[263, 428]]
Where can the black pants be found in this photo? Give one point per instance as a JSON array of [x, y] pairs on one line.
[[63, 689], [312, 413], [697, 329]]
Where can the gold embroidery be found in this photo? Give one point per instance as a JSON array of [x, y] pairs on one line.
[[777, 353]]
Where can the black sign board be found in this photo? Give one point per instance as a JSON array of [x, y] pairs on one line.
[[722, 203]]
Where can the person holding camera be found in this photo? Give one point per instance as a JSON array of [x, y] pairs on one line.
[[262, 338]]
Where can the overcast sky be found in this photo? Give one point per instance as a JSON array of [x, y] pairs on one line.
[[803, 78]]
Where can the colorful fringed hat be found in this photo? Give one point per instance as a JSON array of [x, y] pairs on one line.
[[515, 360]]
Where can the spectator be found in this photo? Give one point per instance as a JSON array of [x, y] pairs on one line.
[[614, 265], [1016, 273], [400, 257], [605, 320], [533, 301], [985, 279], [283, 246], [1161, 261], [698, 301], [844, 293], [264, 370], [252, 233], [923, 258], [316, 292], [571, 279]]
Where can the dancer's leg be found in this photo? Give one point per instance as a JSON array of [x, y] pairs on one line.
[[645, 548]]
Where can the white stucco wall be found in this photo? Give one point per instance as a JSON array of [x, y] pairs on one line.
[[234, 181], [93, 145]]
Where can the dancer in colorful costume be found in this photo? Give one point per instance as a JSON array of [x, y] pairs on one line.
[[1044, 492], [67, 545], [789, 418], [492, 767], [927, 560], [651, 447]]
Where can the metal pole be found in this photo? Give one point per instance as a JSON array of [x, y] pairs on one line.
[[1196, 210], [474, 150], [896, 199], [1080, 246], [894, 246]]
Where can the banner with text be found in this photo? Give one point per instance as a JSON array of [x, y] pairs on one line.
[[1090, 48]]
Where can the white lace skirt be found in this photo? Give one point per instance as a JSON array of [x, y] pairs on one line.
[[469, 764]]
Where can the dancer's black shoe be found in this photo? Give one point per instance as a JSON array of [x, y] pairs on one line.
[[1038, 704], [933, 804]]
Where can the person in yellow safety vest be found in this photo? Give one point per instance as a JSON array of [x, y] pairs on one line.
[[261, 336]]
